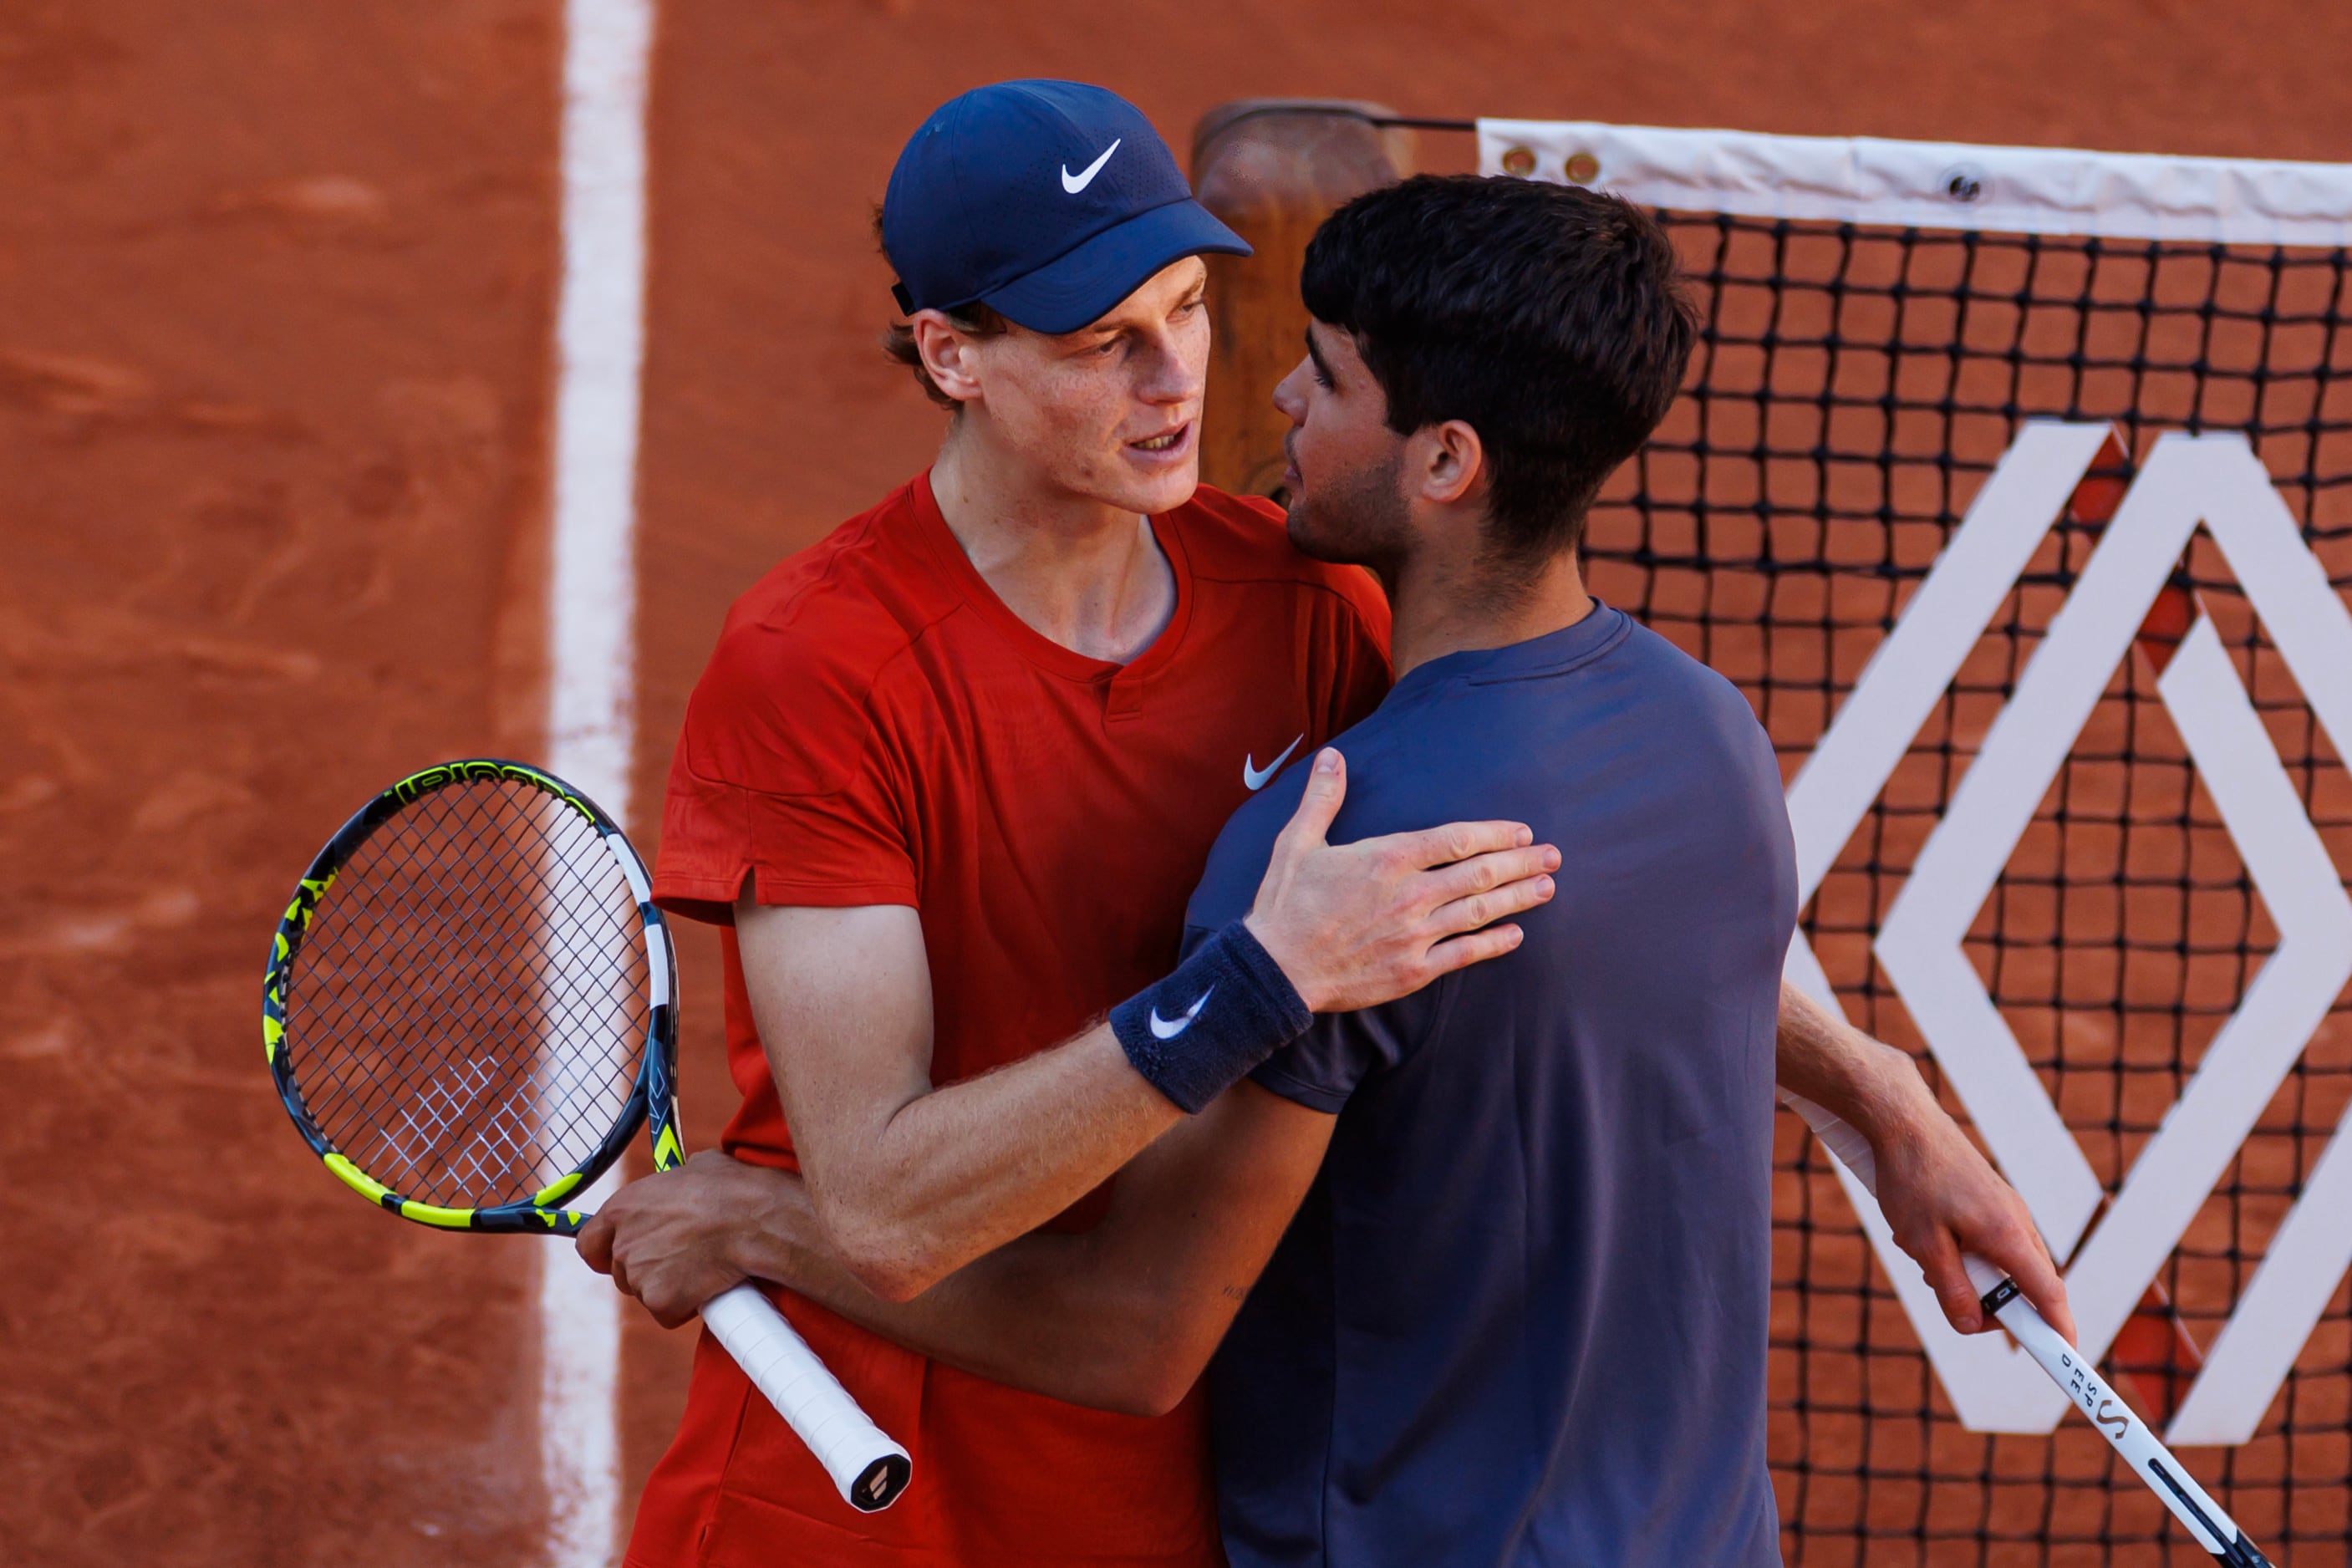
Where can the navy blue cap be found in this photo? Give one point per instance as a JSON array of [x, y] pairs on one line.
[[1048, 202]]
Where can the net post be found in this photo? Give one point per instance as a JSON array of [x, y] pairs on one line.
[[1274, 169]]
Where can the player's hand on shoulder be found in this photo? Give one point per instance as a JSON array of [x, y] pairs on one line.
[[673, 1239], [1357, 924]]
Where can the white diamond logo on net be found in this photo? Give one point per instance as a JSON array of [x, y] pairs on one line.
[[2216, 481]]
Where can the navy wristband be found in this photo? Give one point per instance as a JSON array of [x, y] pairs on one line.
[[1227, 1008]]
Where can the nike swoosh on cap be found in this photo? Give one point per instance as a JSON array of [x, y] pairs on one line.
[[1254, 778], [1074, 184], [1169, 1028]]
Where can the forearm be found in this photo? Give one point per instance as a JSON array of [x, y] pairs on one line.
[[1092, 1319], [1872, 1086], [956, 1173], [1123, 1317], [916, 1185], [1042, 1313], [1939, 1197]]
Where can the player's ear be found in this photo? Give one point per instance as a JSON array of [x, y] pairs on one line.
[[1452, 463], [947, 357]]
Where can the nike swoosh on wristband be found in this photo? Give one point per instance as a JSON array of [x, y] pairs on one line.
[[1254, 778], [1169, 1028], [1074, 184]]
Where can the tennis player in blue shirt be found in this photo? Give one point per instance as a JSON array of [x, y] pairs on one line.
[[1521, 1315], [1488, 1264]]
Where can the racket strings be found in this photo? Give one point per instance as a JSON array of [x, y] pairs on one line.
[[467, 1012], [549, 985], [475, 1111], [479, 1114], [440, 950]]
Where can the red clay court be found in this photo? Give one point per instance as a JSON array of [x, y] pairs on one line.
[[278, 386]]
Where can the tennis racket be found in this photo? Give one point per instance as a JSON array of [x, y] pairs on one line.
[[469, 1011], [2149, 1460]]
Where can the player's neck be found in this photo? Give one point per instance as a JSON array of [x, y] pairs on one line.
[[1078, 571], [1440, 603]]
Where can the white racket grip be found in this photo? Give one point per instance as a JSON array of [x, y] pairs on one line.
[[2140, 1447], [867, 1468], [1851, 1148]]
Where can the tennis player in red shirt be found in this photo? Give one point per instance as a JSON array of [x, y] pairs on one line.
[[949, 780]]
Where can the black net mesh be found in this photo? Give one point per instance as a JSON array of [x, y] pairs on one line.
[[467, 1015], [1853, 389]]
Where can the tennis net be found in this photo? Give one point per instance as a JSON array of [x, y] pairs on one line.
[[2067, 780]]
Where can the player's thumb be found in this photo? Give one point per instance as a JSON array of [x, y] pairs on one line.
[[594, 1244], [1326, 786]]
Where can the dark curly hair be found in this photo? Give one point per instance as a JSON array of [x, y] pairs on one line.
[[1549, 318]]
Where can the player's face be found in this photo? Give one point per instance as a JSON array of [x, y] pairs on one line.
[[1346, 465], [1111, 412]]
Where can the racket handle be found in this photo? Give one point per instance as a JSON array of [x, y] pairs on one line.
[[867, 1468], [2141, 1449]]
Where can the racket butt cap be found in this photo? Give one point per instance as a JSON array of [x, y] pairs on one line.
[[878, 1485]]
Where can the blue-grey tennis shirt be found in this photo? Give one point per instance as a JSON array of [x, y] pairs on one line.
[[1520, 1318]]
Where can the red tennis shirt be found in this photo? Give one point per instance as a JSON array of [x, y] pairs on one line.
[[876, 727]]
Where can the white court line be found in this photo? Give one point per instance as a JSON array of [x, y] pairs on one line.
[[599, 346]]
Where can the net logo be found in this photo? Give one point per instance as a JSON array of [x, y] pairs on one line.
[[2219, 482]]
